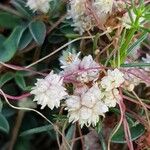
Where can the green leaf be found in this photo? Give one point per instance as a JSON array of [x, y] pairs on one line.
[[45, 128], [57, 8], [38, 31], [2, 39], [20, 82], [8, 20], [70, 132], [4, 126], [21, 7], [25, 39], [145, 29], [5, 78], [69, 32], [137, 43], [1, 105], [136, 65], [9, 47], [55, 38], [8, 112], [22, 143], [136, 132], [136, 128], [102, 140]]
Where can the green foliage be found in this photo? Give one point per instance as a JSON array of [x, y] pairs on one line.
[[4, 126], [70, 132], [22, 144], [136, 131], [10, 45], [8, 20], [137, 43], [36, 130], [136, 128], [20, 5], [136, 65], [38, 31], [2, 39], [20, 81], [5, 78], [1, 105], [25, 39]]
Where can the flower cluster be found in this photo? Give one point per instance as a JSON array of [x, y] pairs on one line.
[[78, 70], [89, 103], [84, 20], [86, 107], [92, 96], [39, 5], [49, 91]]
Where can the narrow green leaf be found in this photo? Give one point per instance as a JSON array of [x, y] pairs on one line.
[[5, 78], [38, 31], [70, 132], [136, 65], [4, 126], [145, 29], [124, 47], [9, 47], [45, 128], [8, 20], [102, 140], [137, 43]]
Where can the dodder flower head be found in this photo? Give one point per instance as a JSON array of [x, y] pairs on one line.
[[49, 91], [83, 71], [83, 20], [105, 5], [89, 70], [41, 5], [112, 80], [77, 12], [87, 107], [111, 97], [69, 58]]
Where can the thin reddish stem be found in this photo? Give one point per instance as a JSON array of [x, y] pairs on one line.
[[134, 101], [19, 68], [125, 123], [21, 97]]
